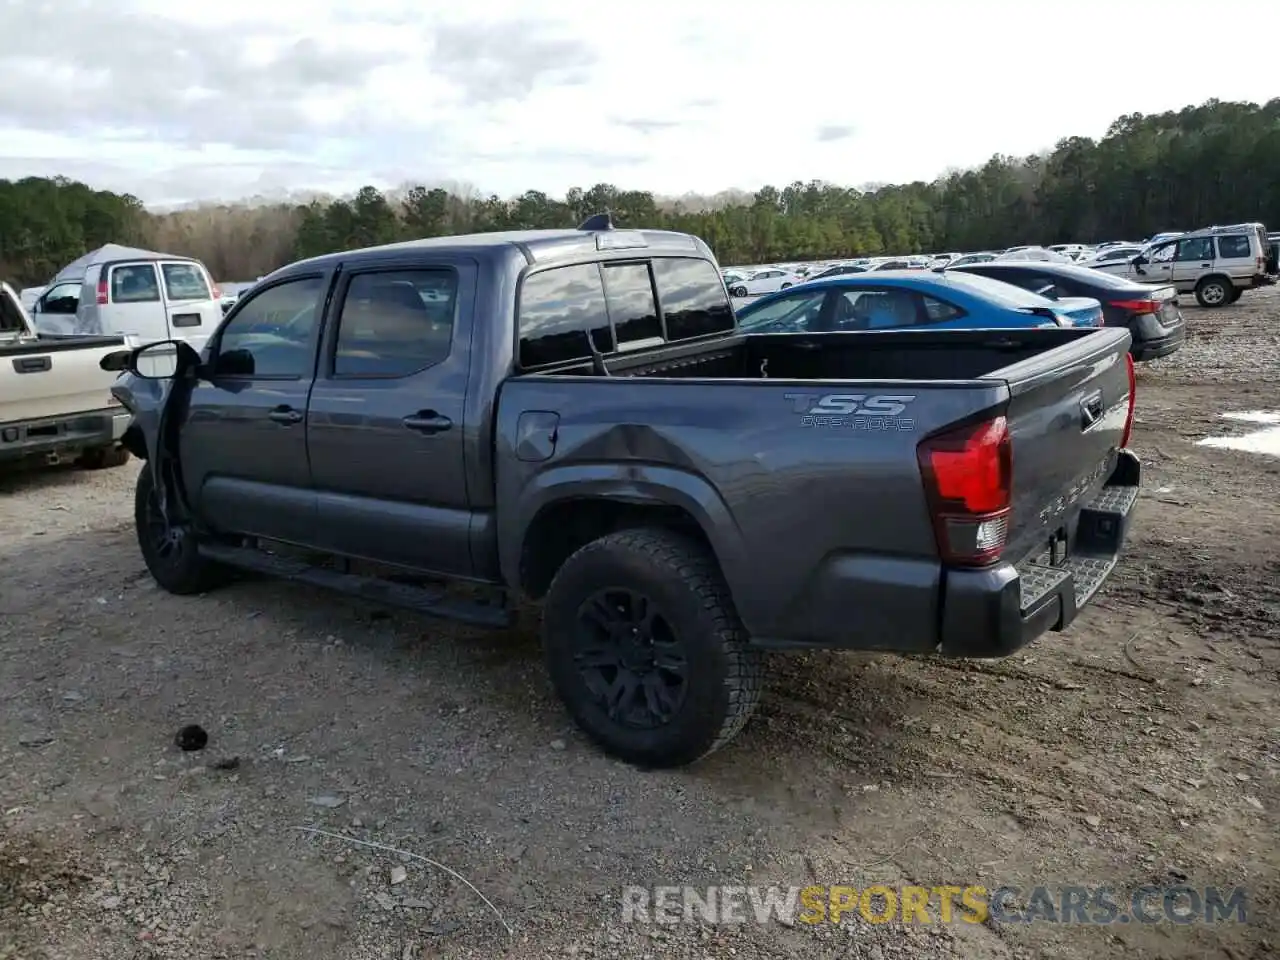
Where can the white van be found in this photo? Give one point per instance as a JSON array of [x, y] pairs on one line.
[[139, 294]]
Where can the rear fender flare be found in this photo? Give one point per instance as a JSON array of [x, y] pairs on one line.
[[634, 484]]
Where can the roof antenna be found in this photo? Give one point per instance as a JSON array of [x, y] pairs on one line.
[[601, 221]]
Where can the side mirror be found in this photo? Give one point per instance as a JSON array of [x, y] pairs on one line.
[[154, 361]]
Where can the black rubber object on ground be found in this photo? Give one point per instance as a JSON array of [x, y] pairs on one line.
[[191, 737]]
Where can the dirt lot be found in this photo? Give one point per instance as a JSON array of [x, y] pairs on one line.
[[1138, 748]]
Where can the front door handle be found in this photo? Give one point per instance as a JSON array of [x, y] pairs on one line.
[[428, 421], [285, 415]]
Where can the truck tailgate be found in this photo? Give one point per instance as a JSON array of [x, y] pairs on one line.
[[50, 378], [1067, 413]]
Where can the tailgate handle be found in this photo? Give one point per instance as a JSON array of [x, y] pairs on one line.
[[1091, 409], [32, 364]]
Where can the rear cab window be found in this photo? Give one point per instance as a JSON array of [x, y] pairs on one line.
[[185, 281], [621, 305], [134, 283]]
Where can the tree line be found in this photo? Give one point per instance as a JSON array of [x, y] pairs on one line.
[[1213, 163]]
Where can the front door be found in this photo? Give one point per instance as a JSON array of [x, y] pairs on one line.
[[244, 439], [385, 425], [1158, 265], [1192, 259]]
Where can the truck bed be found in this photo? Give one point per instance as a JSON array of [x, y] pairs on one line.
[[762, 431], [874, 355]]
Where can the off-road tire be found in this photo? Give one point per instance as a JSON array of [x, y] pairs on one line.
[[183, 571], [680, 575], [1214, 292], [103, 458]]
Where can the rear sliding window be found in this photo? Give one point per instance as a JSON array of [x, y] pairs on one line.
[[615, 302]]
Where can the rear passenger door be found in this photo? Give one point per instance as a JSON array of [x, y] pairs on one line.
[[385, 423], [135, 306], [1192, 259], [191, 311]]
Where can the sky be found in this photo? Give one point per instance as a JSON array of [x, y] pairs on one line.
[[178, 101]]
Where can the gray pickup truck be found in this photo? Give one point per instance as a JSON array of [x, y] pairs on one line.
[[571, 416]]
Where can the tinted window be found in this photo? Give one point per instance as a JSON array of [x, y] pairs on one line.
[[1233, 248], [1200, 248], [270, 333], [794, 313], [937, 310], [557, 307], [692, 297], [631, 305], [394, 324], [135, 283], [883, 309]]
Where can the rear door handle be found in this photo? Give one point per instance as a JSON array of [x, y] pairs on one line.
[[428, 421], [285, 415]]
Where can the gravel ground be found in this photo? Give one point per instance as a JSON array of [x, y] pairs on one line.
[[1139, 747]]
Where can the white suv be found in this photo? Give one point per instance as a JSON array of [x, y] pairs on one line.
[[1217, 264]]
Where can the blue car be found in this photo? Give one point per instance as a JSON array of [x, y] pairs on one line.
[[896, 299]]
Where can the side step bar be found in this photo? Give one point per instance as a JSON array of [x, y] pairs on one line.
[[433, 601]]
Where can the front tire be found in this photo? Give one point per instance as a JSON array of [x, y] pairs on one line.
[[738, 292], [1214, 292], [170, 554], [646, 650]]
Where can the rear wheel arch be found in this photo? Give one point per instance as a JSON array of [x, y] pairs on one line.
[[562, 510]]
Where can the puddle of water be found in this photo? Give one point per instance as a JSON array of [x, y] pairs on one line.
[[1266, 442]]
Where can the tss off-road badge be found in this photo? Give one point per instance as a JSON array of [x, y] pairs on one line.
[[852, 411]]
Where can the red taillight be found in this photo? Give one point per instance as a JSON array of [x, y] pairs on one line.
[[102, 289], [967, 476], [1137, 306], [1133, 399]]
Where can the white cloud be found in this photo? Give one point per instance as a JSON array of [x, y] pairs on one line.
[[160, 99]]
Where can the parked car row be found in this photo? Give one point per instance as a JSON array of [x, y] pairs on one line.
[[578, 417], [997, 294], [1216, 264]]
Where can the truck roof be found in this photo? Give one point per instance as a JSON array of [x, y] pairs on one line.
[[535, 246]]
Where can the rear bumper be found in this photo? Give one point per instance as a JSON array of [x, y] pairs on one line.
[[1152, 348], [64, 435], [1264, 279], [992, 613]]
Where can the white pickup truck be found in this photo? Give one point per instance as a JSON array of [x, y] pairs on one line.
[[55, 398]]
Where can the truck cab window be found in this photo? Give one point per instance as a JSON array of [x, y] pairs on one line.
[[692, 297], [557, 309], [270, 335], [394, 324], [631, 305]]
